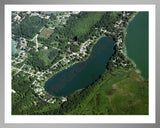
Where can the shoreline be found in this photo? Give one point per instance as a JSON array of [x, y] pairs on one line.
[[65, 68], [90, 51], [69, 66]]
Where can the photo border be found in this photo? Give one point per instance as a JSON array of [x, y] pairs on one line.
[[2, 33]]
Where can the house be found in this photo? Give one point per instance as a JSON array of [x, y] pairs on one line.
[[124, 13], [89, 43], [37, 85], [38, 89], [47, 17], [54, 101], [28, 12], [17, 17], [75, 12], [45, 47], [13, 91], [64, 99]]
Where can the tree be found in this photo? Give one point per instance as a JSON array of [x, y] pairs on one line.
[[28, 27], [53, 16]]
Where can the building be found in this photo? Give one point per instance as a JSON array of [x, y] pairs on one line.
[[38, 89], [17, 17], [47, 17], [64, 99], [75, 12], [45, 47], [13, 91]]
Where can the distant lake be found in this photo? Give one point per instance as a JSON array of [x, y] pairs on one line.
[[82, 74], [14, 50], [137, 42]]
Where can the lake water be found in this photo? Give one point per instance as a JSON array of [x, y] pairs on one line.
[[82, 74], [14, 50], [137, 42]]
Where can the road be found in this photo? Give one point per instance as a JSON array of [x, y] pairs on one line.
[[36, 36], [18, 69], [36, 43]]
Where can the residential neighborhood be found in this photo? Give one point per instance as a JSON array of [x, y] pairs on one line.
[[40, 77]]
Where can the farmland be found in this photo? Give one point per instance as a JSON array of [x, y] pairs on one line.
[[46, 32]]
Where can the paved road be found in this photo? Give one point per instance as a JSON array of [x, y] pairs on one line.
[[36, 43], [19, 69]]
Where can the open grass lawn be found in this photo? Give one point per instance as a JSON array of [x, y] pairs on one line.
[[46, 32], [48, 55], [123, 93]]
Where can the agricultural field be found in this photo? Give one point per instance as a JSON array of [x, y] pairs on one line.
[[46, 32]]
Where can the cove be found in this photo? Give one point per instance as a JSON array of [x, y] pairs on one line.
[[82, 74], [137, 42]]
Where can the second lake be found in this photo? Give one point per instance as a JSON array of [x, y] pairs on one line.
[[137, 42]]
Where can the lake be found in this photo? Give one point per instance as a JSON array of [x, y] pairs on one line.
[[82, 74], [137, 42], [14, 50]]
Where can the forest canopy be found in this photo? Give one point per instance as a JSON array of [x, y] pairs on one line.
[[28, 27]]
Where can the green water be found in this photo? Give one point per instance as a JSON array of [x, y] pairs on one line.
[[82, 74], [14, 50], [137, 42]]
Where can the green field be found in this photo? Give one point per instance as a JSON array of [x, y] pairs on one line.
[[46, 33], [47, 55], [80, 27], [122, 93], [42, 59], [83, 26]]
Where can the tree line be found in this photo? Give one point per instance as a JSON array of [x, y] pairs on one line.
[[28, 27]]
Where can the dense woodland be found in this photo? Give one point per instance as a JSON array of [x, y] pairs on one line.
[[29, 27]]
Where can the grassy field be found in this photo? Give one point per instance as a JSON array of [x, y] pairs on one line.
[[48, 55], [46, 32], [122, 93], [84, 24]]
